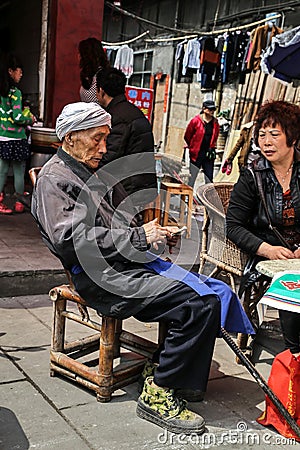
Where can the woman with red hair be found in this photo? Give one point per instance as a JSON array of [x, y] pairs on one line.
[[277, 133]]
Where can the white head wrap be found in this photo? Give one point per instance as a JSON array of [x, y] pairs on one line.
[[81, 116]]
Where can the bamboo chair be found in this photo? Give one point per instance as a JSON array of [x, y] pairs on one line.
[[76, 359]]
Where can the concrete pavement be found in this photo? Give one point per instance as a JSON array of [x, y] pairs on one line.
[[39, 412]]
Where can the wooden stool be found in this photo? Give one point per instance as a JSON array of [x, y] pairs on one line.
[[96, 373], [186, 201], [152, 210]]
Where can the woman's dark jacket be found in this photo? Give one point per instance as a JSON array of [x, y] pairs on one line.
[[131, 137], [246, 221], [87, 224]]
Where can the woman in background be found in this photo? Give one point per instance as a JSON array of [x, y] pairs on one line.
[[92, 57], [14, 147]]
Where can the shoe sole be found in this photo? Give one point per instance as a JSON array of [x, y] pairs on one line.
[[146, 413]]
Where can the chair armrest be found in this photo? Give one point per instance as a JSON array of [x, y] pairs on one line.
[[66, 292]]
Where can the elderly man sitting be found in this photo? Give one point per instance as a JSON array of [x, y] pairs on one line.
[[88, 222]]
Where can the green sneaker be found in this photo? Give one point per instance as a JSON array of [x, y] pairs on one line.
[[190, 395], [162, 407], [148, 371]]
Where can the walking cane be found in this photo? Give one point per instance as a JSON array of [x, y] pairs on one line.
[[261, 382]]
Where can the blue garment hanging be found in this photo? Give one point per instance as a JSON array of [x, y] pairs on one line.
[[233, 316]]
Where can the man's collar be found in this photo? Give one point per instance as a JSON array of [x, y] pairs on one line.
[[103, 180], [77, 167], [118, 99]]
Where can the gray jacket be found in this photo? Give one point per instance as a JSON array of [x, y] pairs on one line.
[[87, 224]]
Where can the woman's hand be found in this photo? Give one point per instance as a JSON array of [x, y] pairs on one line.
[[297, 253], [275, 252], [155, 234]]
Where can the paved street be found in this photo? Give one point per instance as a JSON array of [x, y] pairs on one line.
[[40, 412]]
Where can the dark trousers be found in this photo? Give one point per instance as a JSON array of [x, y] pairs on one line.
[[193, 323], [207, 167], [290, 325]]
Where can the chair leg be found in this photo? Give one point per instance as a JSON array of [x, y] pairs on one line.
[[59, 323], [162, 332], [182, 209], [117, 343], [232, 281], [106, 353], [252, 295], [58, 328], [166, 209], [189, 216]]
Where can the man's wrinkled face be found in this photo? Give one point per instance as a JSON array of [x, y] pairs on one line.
[[87, 146]]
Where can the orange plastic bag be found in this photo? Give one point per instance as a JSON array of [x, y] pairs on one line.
[[284, 381]]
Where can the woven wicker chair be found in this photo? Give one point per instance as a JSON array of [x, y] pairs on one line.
[[218, 250], [227, 258]]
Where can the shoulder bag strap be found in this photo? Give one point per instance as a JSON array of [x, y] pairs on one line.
[[257, 176]]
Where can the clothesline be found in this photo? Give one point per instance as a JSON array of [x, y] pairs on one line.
[[208, 33], [126, 42], [191, 36]]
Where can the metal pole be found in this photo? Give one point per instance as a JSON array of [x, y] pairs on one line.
[[261, 382]]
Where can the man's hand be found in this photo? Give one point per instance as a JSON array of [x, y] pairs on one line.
[[155, 234], [172, 237]]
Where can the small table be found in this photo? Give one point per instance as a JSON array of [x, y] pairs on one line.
[[272, 266], [186, 201]]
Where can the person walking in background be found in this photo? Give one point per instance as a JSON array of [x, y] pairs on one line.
[[14, 147], [248, 150], [131, 136], [92, 57], [201, 137]]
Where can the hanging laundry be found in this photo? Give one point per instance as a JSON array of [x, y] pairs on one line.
[[179, 55], [281, 58], [210, 60], [124, 60], [248, 51], [240, 42], [226, 57], [191, 57], [261, 38]]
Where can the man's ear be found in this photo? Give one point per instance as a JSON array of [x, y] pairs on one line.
[[69, 138], [100, 92]]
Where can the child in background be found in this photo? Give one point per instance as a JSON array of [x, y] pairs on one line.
[[14, 147]]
